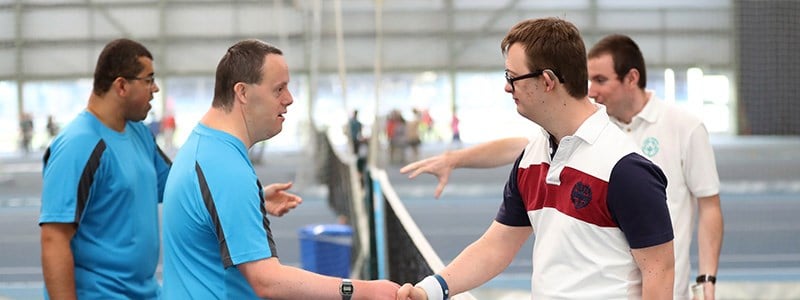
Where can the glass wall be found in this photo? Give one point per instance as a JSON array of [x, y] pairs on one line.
[[484, 110], [9, 119]]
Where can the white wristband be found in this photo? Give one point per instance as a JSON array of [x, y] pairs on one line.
[[431, 287]]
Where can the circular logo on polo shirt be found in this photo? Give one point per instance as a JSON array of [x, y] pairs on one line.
[[650, 146], [581, 195]]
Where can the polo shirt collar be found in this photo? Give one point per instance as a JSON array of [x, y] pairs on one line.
[[590, 130], [649, 112]]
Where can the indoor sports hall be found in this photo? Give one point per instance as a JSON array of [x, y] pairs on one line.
[[434, 64]]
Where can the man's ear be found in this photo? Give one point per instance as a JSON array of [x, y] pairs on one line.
[[550, 79], [240, 91], [632, 78], [120, 86]]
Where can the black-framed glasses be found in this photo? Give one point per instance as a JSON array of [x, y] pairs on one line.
[[511, 80], [533, 74], [148, 80]]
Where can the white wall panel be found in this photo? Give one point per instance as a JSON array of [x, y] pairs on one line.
[[201, 21], [8, 65], [369, 5], [295, 55], [475, 20], [54, 1], [652, 48], [259, 20], [55, 24], [550, 5], [351, 22], [699, 20], [8, 25], [700, 50], [121, 1], [416, 22], [64, 60], [138, 22], [472, 20], [482, 53], [637, 20], [639, 4], [580, 19], [416, 31], [398, 53], [194, 57], [359, 54], [424, 53]]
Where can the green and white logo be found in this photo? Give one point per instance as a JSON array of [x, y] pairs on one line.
[[650, 146]]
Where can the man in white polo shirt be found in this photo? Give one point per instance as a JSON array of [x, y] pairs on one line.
[[597, 207], [672, 138]]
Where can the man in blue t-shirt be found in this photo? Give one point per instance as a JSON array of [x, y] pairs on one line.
[[103, 178], [217, 239]]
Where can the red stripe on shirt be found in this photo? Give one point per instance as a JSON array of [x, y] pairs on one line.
[[580, 195]]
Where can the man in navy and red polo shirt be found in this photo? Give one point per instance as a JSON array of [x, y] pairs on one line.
[[598, 208]]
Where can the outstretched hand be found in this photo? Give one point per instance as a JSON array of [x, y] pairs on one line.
[[409, 292], [278, 201], [439, 166]]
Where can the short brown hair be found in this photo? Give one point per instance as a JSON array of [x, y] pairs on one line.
[[626, 55], [119, 58], [242, 63], [554, 44]]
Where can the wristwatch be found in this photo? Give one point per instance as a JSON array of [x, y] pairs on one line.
[[346, 289], [706, 278]]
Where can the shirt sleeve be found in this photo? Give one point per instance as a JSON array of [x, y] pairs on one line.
[[161, 162], [637, 202], [71, 169], [700, 167], [512, 211], [242, 218]]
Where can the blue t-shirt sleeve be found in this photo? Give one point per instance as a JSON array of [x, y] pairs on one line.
[[512, 211], [637, 201], [237, 199], [161, 162], [65, 182]]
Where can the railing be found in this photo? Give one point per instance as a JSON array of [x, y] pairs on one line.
[[387, 242]]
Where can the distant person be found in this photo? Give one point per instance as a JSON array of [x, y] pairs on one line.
[[426, 125], [354, 129], [671, 137], [52, 127], [412, 137], [454, 122], [168, 130], [217, 238], [26, 133], [103, 178], [597, 208], [396, 132]]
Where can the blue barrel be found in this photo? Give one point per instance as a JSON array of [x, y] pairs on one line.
[[325, 249]]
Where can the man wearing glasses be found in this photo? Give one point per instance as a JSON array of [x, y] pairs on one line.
[[598, 209], [672, 138], [103, 179]]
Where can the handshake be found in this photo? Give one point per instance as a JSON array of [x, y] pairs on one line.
[[430, 288]]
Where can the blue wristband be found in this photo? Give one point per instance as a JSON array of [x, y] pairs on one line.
[[445, 289]]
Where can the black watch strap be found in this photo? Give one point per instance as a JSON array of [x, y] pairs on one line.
[[346, 289], [706, 278]]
